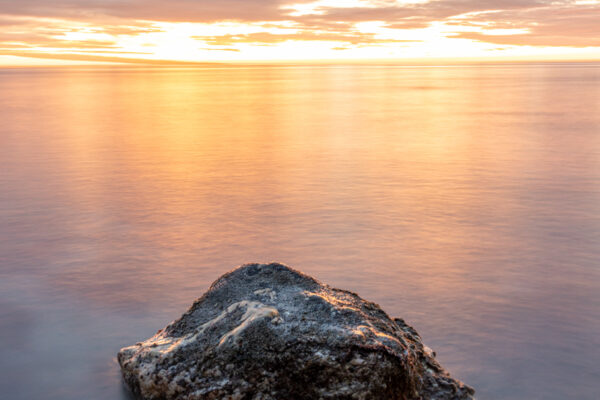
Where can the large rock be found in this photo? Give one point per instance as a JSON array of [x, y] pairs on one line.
[[270, 332]]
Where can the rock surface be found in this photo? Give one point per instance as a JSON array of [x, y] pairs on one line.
[[270, 332]]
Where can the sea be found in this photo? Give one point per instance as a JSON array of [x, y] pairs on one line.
[[462, 198]]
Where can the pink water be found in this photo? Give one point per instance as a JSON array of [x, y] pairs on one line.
[[463, 199]]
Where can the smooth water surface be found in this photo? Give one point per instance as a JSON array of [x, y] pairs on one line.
[[463, 199]]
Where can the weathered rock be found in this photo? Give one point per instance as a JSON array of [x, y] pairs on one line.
[[270, 332]]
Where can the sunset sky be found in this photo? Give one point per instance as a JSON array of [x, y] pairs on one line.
[[71, 31]]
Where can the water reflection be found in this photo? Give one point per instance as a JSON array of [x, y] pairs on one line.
[[464, 199]]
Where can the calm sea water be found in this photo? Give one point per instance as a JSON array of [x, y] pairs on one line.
[[463, 199]]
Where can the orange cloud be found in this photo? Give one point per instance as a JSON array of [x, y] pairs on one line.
[[229, 30]]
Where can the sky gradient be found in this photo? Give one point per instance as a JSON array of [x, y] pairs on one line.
[[134, 31]]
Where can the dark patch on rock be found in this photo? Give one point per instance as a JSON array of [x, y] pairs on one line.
[[266, 331]]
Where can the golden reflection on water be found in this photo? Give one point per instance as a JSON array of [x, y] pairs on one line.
[[463, 199]]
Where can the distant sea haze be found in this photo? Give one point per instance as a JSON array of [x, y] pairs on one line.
[[464, 199]]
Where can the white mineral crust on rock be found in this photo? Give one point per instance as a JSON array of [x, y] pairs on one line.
[[266, 331]]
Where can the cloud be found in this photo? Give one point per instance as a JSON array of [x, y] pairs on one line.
[[263, 38], [570, 26], [101, 58], [255, 10], [119, 25], [155, 10]]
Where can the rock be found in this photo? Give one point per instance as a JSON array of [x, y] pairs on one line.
[[270, 332]]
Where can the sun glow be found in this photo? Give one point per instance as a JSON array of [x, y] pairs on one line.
[[319, 30], [320, 7]]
